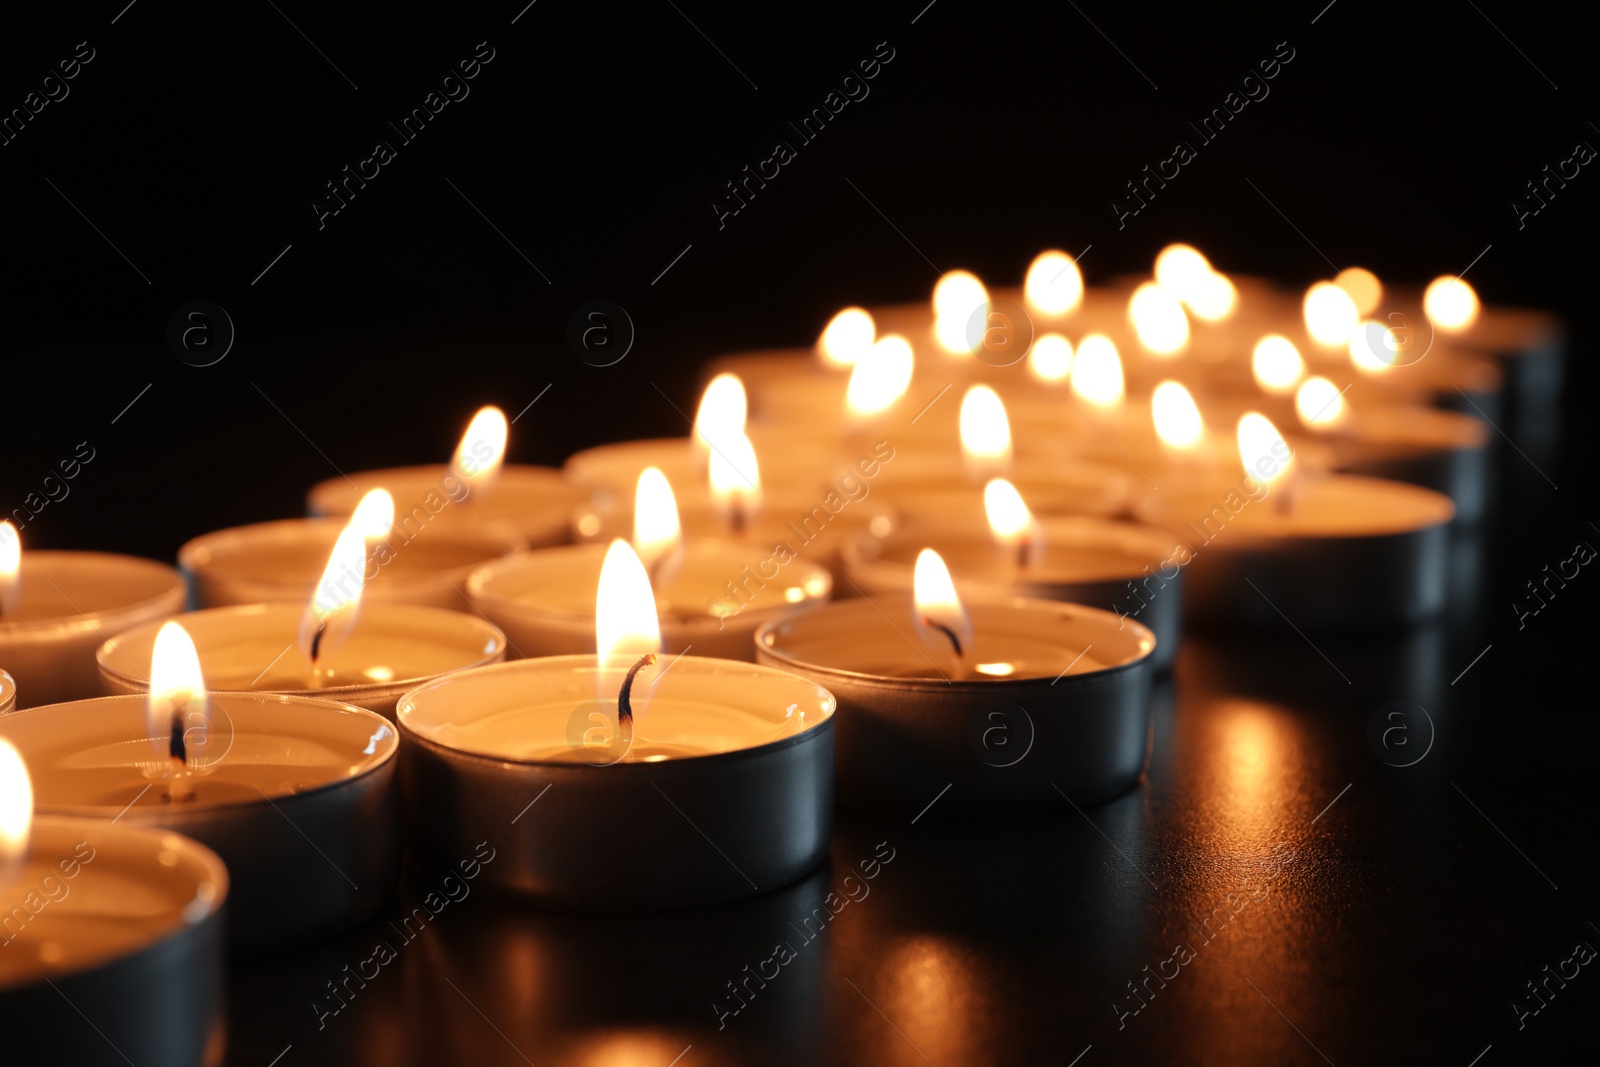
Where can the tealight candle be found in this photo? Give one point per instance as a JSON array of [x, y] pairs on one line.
[[711, 595], [295, 794], [119, 925], [272, 562], [476, 489], [812, 525], [720, 771], [1004, 704], [390, 649], [1339, 550], [1116, 566], [57, 607], [1440, 450]]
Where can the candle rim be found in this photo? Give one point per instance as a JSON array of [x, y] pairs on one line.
[[991, 685], [292, 612], [176, 817], [96, 619], [208, 867], [813, 732]]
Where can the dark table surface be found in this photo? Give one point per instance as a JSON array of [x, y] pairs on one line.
[[1288, 885]]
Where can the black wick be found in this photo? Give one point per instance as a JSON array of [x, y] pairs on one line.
[[955, 641], [316, 641], [177, 747], [625, 698]]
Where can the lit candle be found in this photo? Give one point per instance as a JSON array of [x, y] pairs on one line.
[[1440, 450], [1322, 551], [680, 750], [295, 794], [811, 524], [120, 925], [1120, 567], [57, 607], [712, 601], [403, 561], [475, 489], [936, 694]]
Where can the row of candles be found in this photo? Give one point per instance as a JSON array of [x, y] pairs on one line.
[[837, 577]]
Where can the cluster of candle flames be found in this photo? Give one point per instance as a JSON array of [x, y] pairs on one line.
[[627, 629]]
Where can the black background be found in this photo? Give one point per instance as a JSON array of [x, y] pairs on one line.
[[199, 136]]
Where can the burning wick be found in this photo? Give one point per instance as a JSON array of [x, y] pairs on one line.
[[1025, 555], [625, 697], [736, 517], [955, 642], [316, 644], [178, 752]]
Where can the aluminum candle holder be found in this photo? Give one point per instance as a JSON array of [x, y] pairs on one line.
[[713, 601], [128, 934], [68, 603], [523, 756], [1350, 552], [1118, 566], [298, 801], [273, 562], [532, 501], [1071, 715], [251, 648]]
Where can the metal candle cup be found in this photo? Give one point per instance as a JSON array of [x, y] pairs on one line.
[[8, 693], [716, 598], [1108, 565], [121, 926], [1071, 717], [1440, 450], [273, 562], [1349, 551], [67, 604], [802, 522], [252, 648], [532, 501], [299, 803], [725, 789]]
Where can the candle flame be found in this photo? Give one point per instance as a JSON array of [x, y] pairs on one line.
[[1187, 275], [735, 478], [985, 433], [1366, 292], [1320, 404], [1097, 372], [657, 535], [10, 567], [374, 516], [16, 810], [1158, 319], [957, 296], [1050, 359], [1450, 303], [721, 414], [177, 689], [880, 377], [1262, 449], [1054, 285], [1375, 348], [1177, 417], [482, 450], [847, 337], [1331, 316], [625, 623], [1010, 521], [941, 621], [1277, 364], [336, 601]]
